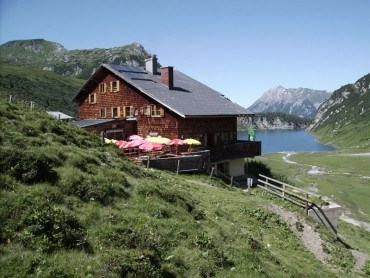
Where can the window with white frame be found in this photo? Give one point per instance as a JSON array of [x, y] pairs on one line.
[[102, 88], [103, 112], [115, 112], [156, 111], [92, 98], [129, 111], [114, 86]]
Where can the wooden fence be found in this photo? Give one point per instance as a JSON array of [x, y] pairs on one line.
[[297, 196]]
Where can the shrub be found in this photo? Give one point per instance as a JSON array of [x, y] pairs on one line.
[[198, 214], [135, 264], [255, 168], [32, 217], [7, 182], [367, 267], [88, 187], [29, 131], [27, 166], [48, 228]]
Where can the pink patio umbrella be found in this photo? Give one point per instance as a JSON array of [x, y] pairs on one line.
[[134, 137], [150, 146], [121, 144], [176, 142], [134, 143]]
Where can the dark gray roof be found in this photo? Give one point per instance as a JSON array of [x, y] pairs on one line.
[[188, 98], [92, 122]]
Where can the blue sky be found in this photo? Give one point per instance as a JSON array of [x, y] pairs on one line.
[[241, 48]]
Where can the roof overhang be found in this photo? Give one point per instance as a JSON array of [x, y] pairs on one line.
[[95, 122], [218, 116]]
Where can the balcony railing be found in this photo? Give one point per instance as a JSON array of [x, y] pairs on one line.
[[238, 149]]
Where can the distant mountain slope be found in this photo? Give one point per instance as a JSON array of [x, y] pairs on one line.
[[51, 56], [344, 119], [273, 120], [48, 90], [300, 102]]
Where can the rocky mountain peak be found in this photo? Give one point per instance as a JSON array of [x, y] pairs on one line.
[[300, 102]]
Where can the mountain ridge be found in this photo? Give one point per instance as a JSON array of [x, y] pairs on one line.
[[344, 118], [301, 102], [80, 63], [273, 120]]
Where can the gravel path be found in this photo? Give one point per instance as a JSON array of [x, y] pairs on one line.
[[305, 232], [312, 240]]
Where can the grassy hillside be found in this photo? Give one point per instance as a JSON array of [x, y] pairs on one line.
[[72, 207], [43, 54], [344, 119], [341, 176], [48, 90]]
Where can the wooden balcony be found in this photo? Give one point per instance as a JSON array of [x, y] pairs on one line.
[[235, 150]]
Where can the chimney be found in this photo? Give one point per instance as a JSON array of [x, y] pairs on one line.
[[151, 64], [167, 77]]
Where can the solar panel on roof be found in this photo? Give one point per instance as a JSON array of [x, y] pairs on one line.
[[135, 75], [124, 68]]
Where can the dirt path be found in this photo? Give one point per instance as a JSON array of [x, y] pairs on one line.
[[361, 259], [305, 232], [312, 240]]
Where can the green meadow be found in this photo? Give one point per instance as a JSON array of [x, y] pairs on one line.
[[343, 177], [71, 206]]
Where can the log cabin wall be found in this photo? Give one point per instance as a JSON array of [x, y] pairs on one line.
[[163, 123], [131, 103]]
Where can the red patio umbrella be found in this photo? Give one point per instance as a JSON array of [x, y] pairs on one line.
[[150, 146]]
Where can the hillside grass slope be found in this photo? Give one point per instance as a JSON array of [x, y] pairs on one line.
[[72, 207], [343, 120], [47, 90], [81, 63]]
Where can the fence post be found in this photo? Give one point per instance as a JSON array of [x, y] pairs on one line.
[[213, 169], [283, 195], [147, 163], [249, 183], [231, 181], [10, 99], [31, 105], [178, 166], [266, 182], [306, 205]]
